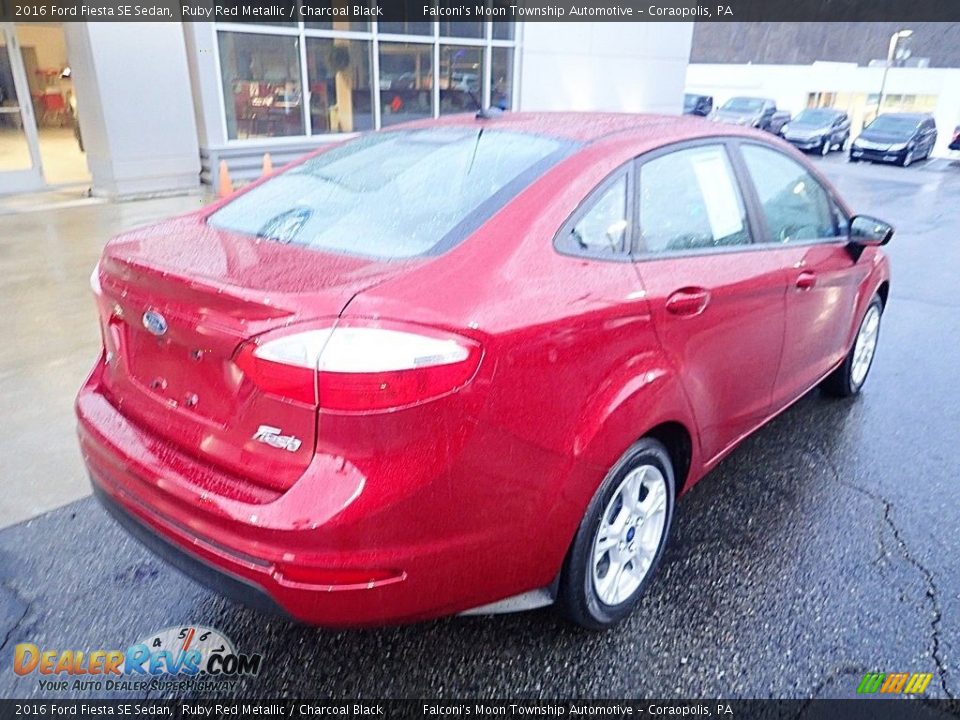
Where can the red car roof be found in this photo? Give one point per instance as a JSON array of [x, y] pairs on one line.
[[585, 126]]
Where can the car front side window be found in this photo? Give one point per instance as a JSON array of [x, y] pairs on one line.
[[797, 208], [689, 201]]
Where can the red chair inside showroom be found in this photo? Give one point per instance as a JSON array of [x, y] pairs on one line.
[[54, 108]]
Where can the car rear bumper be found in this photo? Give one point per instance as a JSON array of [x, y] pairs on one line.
[[312, 553], [204, 573]]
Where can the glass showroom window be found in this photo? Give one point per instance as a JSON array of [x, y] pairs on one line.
[[262, 91], [501, 77], [422, 70], [504, 30], [406, 28], [406, 82], [341, 94], [461, 29], [460, 78]]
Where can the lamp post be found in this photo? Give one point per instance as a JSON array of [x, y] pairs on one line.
[[891, 53]]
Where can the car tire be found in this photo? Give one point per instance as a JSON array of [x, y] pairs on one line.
[[619, 535], [848, 379], [851, 158]]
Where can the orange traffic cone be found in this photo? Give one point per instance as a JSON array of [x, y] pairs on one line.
[[225, 186], [267, 164]]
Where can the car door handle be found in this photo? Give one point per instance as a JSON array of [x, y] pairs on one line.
[[688, 301], [806, 280]]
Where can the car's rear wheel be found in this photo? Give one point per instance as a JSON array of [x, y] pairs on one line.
[[621, 538], [849, 378]]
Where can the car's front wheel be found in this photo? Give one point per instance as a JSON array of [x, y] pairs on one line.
[[849, 378], [621, 538]]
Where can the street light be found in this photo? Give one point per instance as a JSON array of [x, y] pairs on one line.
[[891, 52]]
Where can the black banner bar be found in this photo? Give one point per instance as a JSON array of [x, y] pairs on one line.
[[291, 11], [903, 709]]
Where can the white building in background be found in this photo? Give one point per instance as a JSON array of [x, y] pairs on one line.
[[845, 86], [159, 105]]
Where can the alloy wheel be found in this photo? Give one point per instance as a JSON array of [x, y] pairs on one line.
[[866, 345], [630, 532]]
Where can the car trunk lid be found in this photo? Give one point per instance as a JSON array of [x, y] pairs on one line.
[[178, 300]]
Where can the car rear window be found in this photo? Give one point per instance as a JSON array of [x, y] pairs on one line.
[[396, 194]]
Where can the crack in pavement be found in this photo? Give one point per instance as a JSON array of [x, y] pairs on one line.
[[834, 674], [932, 590], [23, 616]]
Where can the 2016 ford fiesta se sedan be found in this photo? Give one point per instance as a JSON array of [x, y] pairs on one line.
[[468, 364]]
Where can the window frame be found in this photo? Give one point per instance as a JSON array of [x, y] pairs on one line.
[[738, 176], [298, 29], [750, 190], [561, 242], [756, 220]]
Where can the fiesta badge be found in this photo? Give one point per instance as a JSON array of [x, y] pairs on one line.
[[154, 322]]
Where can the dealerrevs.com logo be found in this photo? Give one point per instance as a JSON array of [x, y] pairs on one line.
[[177, 658]]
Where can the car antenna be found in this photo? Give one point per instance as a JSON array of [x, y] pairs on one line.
[[476, 146]]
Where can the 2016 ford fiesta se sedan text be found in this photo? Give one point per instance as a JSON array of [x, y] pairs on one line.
[[468, 364]]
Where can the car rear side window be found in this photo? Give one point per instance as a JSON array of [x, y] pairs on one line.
[[797, 208], [689, 200], [602, 230], [397, 194]]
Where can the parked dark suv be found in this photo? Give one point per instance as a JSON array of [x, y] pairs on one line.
[[697, 104], [896, 137], [955, 142], [820, 129]]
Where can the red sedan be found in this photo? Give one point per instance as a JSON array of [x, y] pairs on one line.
[[468, 364]]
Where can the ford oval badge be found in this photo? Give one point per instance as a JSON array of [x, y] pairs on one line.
[[154, 322]]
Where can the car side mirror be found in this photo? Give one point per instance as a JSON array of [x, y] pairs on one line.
[[867, 231]]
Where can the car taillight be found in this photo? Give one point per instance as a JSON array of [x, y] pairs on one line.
[[355, 367]]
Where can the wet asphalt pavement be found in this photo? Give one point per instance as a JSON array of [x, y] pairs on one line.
[[826, 546]]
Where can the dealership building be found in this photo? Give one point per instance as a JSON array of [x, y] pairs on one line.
[[839, 65], [138, 109]]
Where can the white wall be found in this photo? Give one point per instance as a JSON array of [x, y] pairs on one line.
[[135, 107], [790, 85], [201, 43], [630, 67]]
